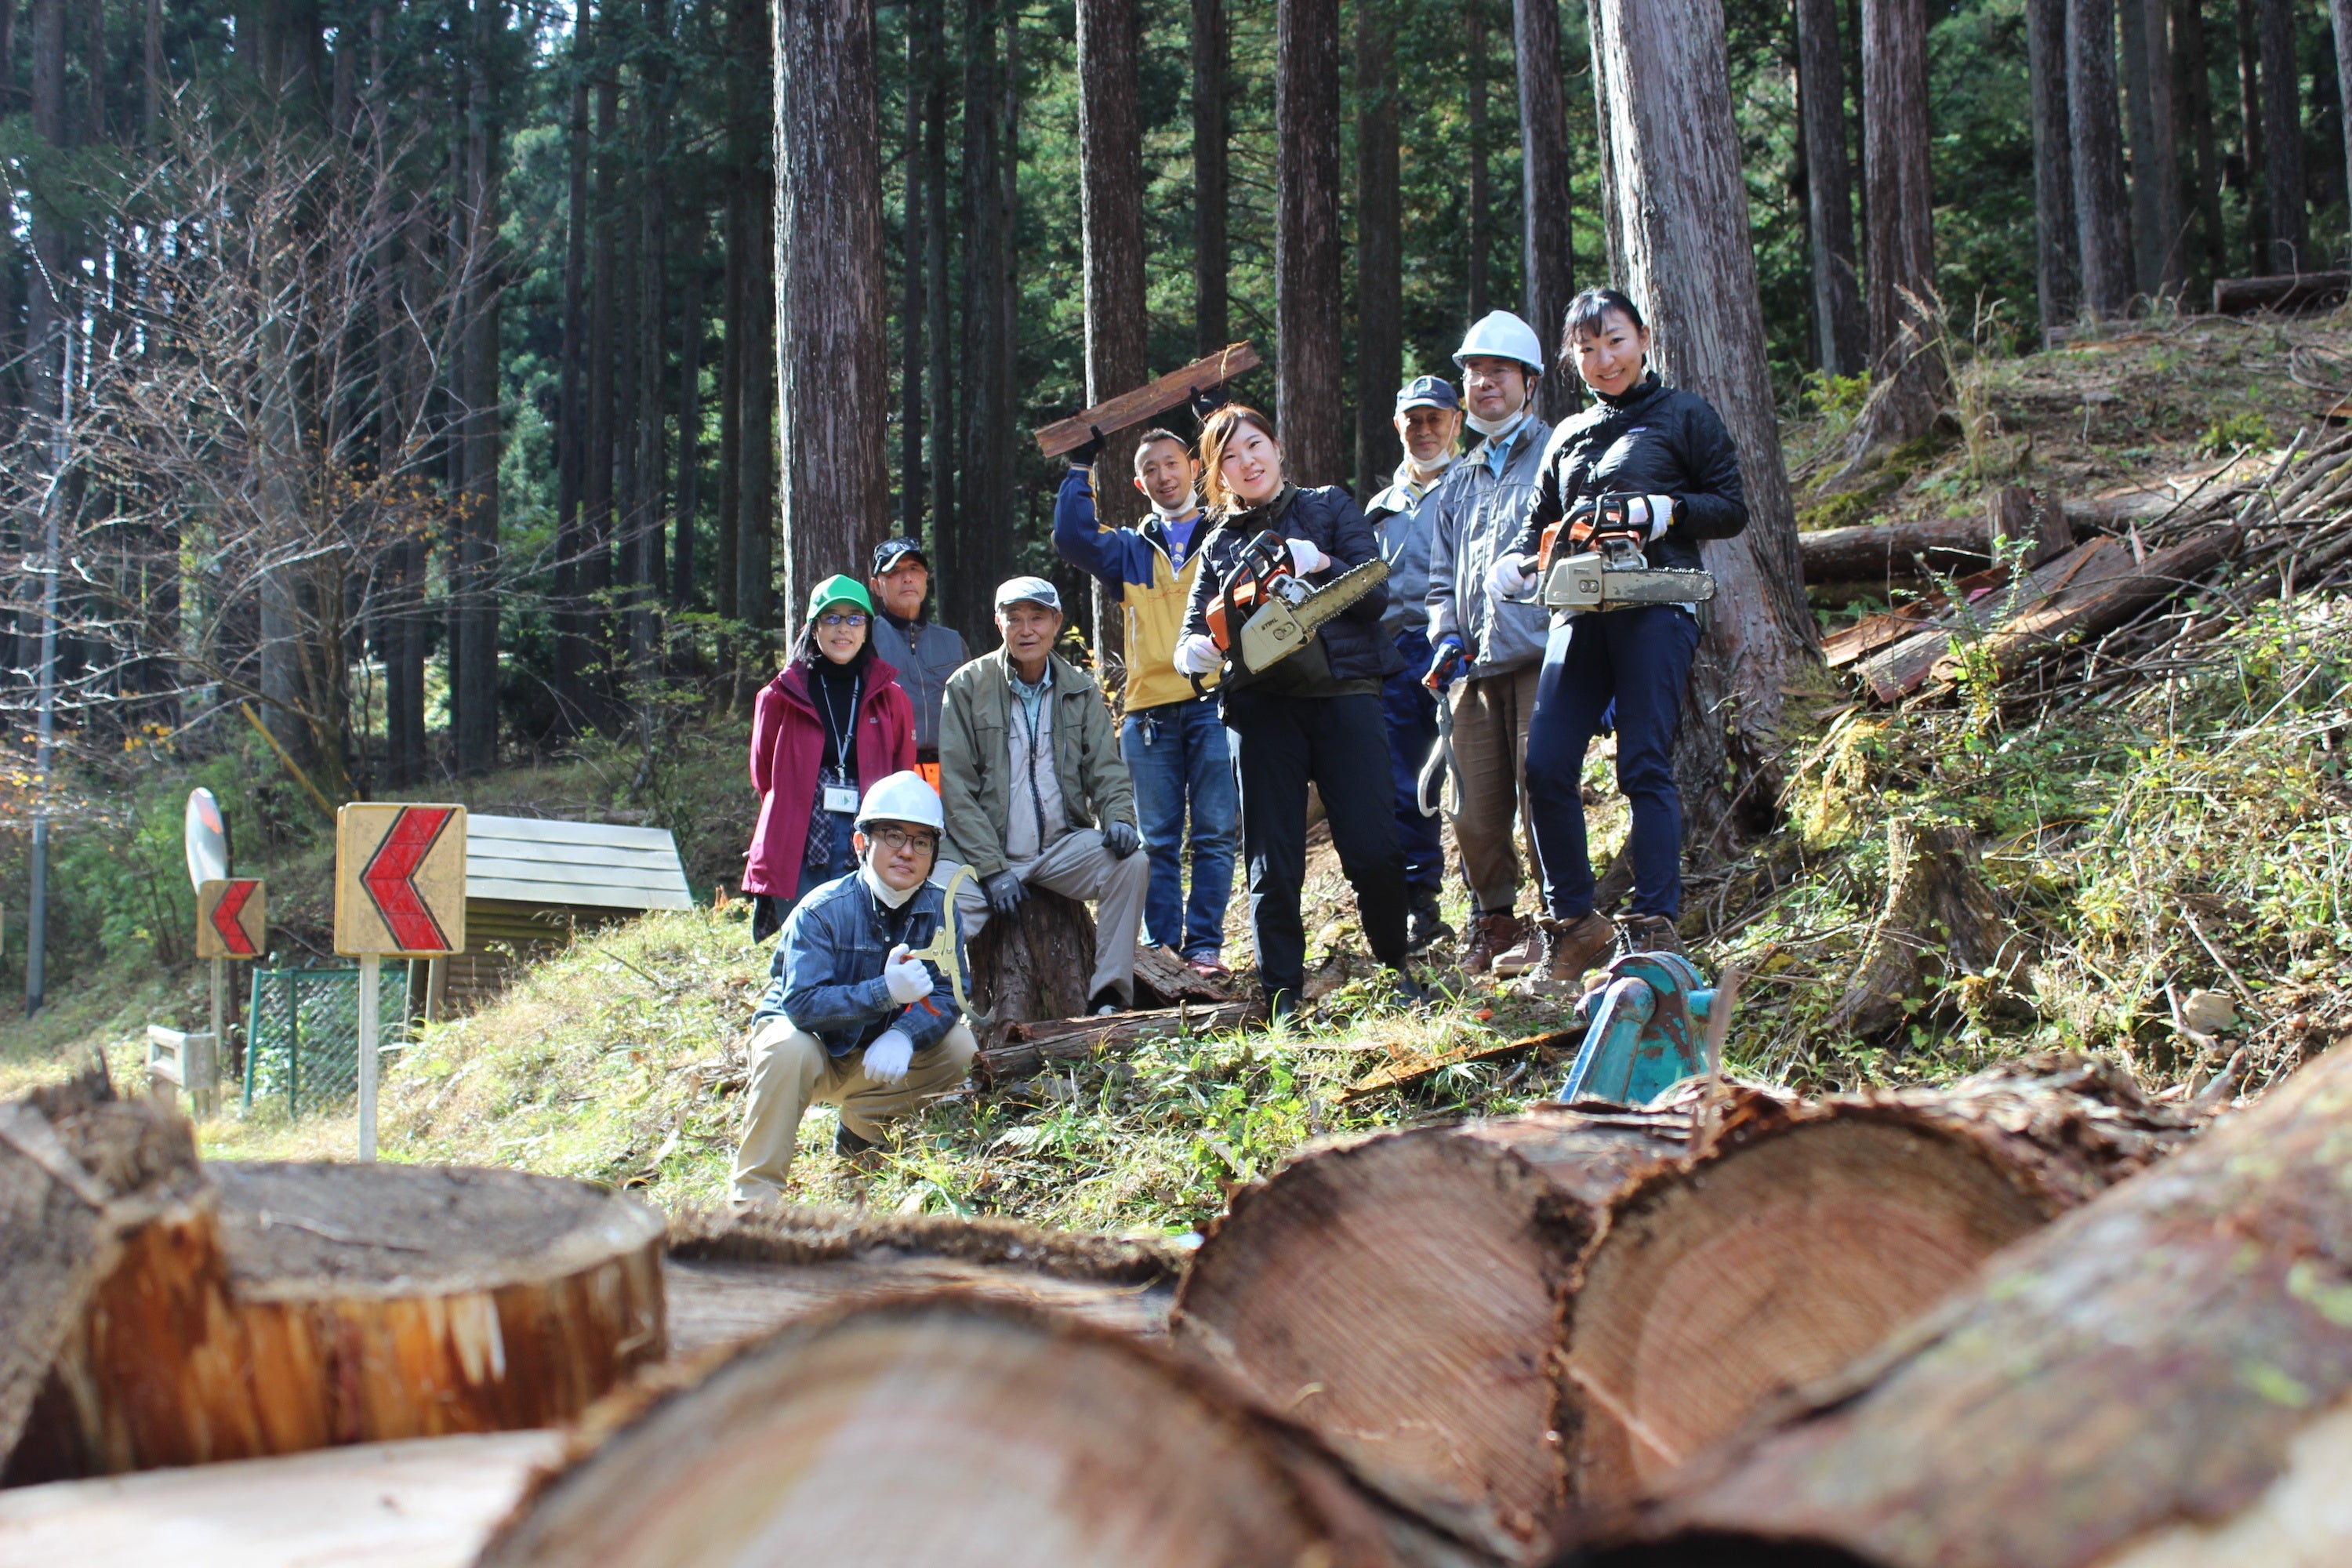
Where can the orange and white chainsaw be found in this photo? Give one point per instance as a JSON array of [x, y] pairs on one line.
[[1276, 610], [1594, 562]]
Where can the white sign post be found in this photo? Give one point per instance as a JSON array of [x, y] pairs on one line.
[[205, 838]]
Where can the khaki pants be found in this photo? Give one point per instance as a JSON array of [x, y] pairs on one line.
[[1077, 866], [1490, 746], [792, 1072]]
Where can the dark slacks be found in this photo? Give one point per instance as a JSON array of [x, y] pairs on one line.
[[1641, 659], [1338, 744], [1412, 715]]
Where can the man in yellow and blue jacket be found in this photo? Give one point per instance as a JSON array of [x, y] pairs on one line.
[[1172, 741]]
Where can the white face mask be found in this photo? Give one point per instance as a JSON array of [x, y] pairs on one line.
[[892, 898], [1186, 507], [1490, 428]]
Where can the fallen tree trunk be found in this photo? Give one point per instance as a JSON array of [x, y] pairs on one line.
[[1868, 551], [2288, 291], [730, 1277], [1897, 670], [1494, 1321], [316, 1305], [1026, 1048], [2163, 1379], [950, 1429], [1035, 964]]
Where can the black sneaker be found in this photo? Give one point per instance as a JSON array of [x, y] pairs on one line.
[[862, 1153], [1407, 992], [1424, 927]]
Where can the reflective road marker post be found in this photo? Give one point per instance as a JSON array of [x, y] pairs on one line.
[[400, 893]]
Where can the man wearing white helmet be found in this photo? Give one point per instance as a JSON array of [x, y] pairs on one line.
[[1489, 651], [849, 1018]]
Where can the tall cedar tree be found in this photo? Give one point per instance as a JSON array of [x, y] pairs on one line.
[[2290, 230], [1308, 385], [1210, 129], [2251, 141], [1380, 262], [2057, 269], [1549, 268], [1899, 249], [2154, 160], [1841, 344], [1111, 206], [2101, 231]]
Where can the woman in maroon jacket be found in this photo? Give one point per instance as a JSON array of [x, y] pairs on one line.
[[830, 725]]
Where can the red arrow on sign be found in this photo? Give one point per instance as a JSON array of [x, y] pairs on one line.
[[390, 878], [233, 900]]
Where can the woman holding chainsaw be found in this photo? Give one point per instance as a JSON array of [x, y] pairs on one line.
[[1312, 715], [1649, 466]]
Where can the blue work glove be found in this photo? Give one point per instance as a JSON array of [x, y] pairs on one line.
[[1120, 839], [1445, 661], [1004, 892], [1083, 457]]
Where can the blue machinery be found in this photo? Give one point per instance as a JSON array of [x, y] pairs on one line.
[[1646, 1030]]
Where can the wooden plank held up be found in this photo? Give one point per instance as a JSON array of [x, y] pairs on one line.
[[1157, 398]]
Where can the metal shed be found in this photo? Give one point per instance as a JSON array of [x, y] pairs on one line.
[[533, 883]]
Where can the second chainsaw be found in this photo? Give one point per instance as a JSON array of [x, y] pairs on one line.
[[1265, 612], [1594, 562]]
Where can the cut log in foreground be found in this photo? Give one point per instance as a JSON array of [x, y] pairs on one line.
[[308, 1305], [429, 1503], [1493, 1320], [730, 1277], [2163, 1379], [945, 1430]]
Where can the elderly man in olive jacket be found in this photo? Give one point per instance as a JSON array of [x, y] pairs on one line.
[[1035, 791]]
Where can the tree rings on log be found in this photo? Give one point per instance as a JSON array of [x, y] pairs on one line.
[[2161, 1379], [322, 1304], [941, 1429]]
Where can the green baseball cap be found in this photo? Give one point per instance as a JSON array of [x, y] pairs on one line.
[[834, 590]]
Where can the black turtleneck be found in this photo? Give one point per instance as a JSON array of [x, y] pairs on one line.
[[834, 693]]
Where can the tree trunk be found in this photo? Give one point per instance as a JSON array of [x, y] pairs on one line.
[[596, 489], [2057, 265], [980, 552], [1034, 965], [755, 495], [1037, 1439], [731, 1276], [1459, 1310], [1686, 257], [303, 1306], [689, 422], [1380, 262], [2249, 143], [2340, 14], [2155, 159], [652, 353], [1938, 923], [1550, 266], [475, 677], [1210, 256], [1841, 344], [2192, 103], [2186, 1404], [938, 388], [2102, 237], [912, 276], [573, 655], [1110, 204], [1906, 359], [1308, 387], [735, 306], [1478, 226], [1878, 552], [2282, 77]]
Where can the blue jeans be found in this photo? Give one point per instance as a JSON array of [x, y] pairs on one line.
[[1641, 660], [1412, 715], [1180, 763]]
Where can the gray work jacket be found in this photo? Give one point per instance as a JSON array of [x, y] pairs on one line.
[[924, 662], [1478, 516], [1402, 521]]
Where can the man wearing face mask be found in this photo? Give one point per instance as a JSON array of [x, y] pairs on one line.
[[1487, 650], [849, 1017]]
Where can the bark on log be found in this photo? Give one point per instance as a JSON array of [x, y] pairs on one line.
[[427, 1503], [2287, 292], [1903, 667], [1866, 551], [2024, 518], [1492, 1321], [307, 1306], [1939, 919], [2161, 1378], [730, 1277], [938, 1429], [1035, 966]]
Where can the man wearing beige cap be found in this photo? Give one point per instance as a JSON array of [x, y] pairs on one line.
[[1034, 790]]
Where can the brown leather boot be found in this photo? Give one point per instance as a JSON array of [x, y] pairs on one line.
[[1570, 947], [1490, 934], [1651, 933]]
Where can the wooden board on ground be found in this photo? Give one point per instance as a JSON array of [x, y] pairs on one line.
[[1134, 407], [1025, 1049], [731, 1277], [1410, 1067], [428, 1503]]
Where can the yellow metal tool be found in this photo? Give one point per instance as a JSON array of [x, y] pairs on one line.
[[945, 951]]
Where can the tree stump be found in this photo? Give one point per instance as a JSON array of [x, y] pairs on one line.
[[1939, 919], [302, 1306], [2162, 1379], [1035, 966], [1493, 1321], [946, 1429]]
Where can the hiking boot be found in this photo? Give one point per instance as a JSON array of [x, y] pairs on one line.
[[1569, 948], [1524, 956], [1404, 990], [1490, 935], [1423, 925], [1651, 933], [865, 1155]]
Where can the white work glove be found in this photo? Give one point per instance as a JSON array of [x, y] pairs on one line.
[[1197, 655], [1657, 512], [1509, 578], [886, 1058], [909, 981], [1305, 556]]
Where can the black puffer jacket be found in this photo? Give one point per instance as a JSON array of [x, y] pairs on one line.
[[1327, 517], [1655, 440]]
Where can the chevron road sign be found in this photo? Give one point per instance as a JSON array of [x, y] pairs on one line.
[[400, 880], [232, 919]]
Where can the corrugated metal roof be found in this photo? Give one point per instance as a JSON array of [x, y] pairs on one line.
[[601, 865]]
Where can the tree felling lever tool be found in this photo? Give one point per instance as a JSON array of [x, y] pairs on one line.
[[1439, 784], [1277, 609], [1607, 570], [1645, 1030], [945, 951]]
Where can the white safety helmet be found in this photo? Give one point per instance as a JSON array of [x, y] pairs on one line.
[[903, 797], [1502, 335]]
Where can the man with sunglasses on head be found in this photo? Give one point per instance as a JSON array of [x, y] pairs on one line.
[[922, 652], [850, 1018]]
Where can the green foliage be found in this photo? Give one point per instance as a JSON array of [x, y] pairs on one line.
[[2243, 430]]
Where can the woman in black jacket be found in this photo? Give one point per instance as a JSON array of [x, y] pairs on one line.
[[1667, 452], [1315, 717]]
